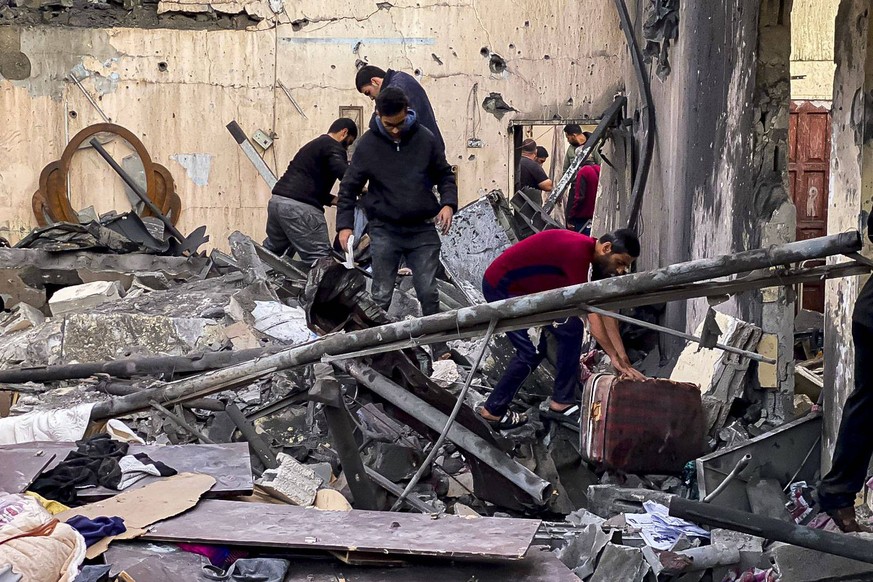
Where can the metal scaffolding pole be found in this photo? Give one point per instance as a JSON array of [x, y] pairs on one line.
[[478, 316]]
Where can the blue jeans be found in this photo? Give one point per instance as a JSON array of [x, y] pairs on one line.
[[528, 357]]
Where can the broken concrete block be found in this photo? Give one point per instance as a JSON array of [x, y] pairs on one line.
[[445, 373], [751, 548], [620, 564], [460, 485], [581, 549], [22, 316], [291, 481], [392, 461], [79, 298], [802, 565], [711, 556], [465, 510], [281, 322], [609, 500], [583, 517]]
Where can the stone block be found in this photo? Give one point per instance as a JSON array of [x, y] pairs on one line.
[[291, 481], [620, 564], [581, 549], [81, 298], [802, 565], [751, 547], [767, 499], [23, 316]]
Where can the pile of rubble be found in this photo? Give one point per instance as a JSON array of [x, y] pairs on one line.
[[229, 417]]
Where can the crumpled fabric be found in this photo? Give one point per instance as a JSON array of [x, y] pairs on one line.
[[7, 574], [249, 570], [94, 530], [94, 462], [53, 507], [61, 425], [336, 299], [221, 556], [35, 544]]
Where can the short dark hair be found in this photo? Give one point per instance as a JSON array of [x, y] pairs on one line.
[[542, 152], [572, 129], [344, 123], [365, 74], [529, 146], [391, 101], [624, 241]]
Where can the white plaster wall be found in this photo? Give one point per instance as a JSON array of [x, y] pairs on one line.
[[215, 77]]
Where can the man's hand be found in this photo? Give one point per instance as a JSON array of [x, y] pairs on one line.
[[444, 219], [627, 371], [344, 235]]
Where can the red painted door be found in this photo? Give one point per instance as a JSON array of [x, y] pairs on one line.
[[809, 146]]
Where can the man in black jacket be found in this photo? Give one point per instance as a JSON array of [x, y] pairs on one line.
[[295, 214], [369, 80], [401, 161]]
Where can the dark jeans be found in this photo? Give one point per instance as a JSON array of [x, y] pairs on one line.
[[419, 245], [528, 357], [582, 225], [296, 226], [854, 446]]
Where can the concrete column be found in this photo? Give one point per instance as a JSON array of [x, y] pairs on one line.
[[851, 196]]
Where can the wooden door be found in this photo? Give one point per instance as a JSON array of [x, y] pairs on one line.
[[809, 146]]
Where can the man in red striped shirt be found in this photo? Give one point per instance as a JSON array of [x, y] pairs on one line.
[[549, 260]]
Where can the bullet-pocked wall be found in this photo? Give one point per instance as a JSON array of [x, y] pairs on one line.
[[176, 73]]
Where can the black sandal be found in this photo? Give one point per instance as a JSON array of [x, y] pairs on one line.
[[508, 421], [568, 416]]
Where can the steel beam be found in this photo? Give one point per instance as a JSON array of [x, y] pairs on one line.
[[854, 548]]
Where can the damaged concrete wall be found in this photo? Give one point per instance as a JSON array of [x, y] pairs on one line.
[[719, 171], [851, 196], [812, 49], [177, 87]]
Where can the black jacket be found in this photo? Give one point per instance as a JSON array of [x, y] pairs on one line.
[[401, 177], [313, 171]]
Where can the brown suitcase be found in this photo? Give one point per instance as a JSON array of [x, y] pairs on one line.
[[655, 426]]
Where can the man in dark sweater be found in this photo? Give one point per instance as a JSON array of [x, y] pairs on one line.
[[854, 446], [400, 161], [295, 214], [549, 260], [530, 173], [370, 80], [583, 195]]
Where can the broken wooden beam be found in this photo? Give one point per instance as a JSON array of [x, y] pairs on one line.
[[525, 311]]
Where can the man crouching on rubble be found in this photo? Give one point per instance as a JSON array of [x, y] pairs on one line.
[[401, 160], [550, 260]]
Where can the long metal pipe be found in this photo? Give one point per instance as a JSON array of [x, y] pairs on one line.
[[130, 367], [851, 547], [527, 306], [463, 437]]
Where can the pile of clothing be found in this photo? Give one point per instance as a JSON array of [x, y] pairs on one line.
[[99, 460]]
